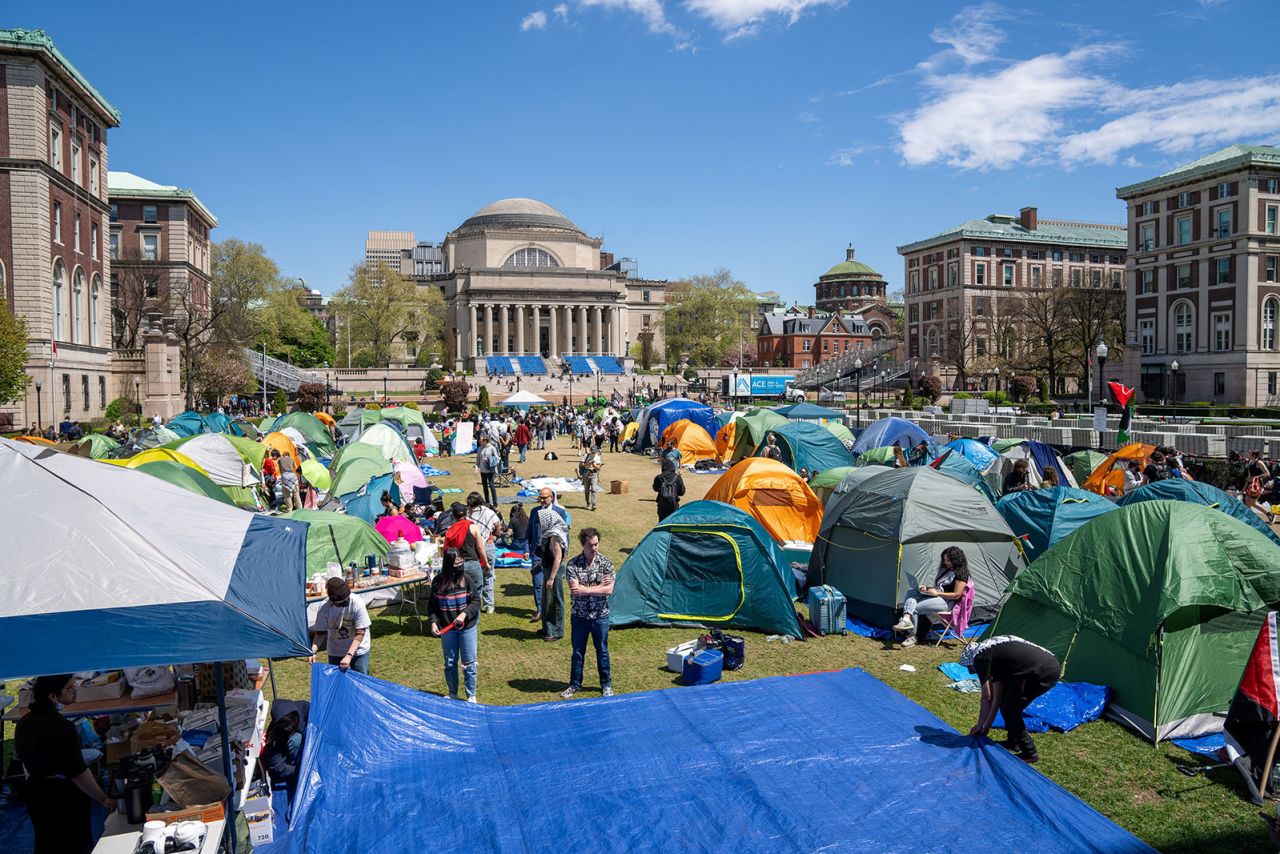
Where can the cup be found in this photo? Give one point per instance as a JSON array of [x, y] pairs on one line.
[[153, 831], [371, 561]]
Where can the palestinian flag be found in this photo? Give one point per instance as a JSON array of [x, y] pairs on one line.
[[1123, 395], [1250, 728]]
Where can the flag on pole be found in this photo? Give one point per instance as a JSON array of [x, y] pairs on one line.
[[1122, 395], [1250, 729]]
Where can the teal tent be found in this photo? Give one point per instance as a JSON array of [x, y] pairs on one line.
[[957, 465], [806, 445], [189, 423], [1198, 492], [808, 412], [708, 563], [1041, 517]]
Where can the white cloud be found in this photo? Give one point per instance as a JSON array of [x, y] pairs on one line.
[[534, 21], [562, 11], [650, 11], [740, 18], [844, 157], [972, 35]]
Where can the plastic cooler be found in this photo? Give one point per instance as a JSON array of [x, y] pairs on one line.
[[703, 667]]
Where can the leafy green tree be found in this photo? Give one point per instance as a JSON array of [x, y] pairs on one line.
[[222, 370], [13, 356], [1044, 390], [385, 312], [908, 396], [281, 401], [290, 332], [482, 400], [706, 316]]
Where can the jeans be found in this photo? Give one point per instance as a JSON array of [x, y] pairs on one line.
[[486, 589], [536, 576], [359, 663], [476, 574], [922, 607], [290, 498], [598, 630], [523, 448], [489, 491], [553, 607], [450, 644]]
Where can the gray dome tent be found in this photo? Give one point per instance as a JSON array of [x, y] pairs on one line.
[[887, 534]]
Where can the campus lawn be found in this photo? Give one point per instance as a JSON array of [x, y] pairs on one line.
[[1135, 784]]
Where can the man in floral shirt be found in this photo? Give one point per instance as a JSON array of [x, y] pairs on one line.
[[590, 576]]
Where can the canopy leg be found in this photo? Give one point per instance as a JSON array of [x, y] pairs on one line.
[[226, 754]]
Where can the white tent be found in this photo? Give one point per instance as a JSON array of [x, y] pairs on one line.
[[389, 441], [220, 460], [525, 399]]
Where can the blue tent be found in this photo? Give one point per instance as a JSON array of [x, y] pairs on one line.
[[980, 454], [893, 431], [646, 760], [366, 502], [957, 465], [1044, 516], [216, 422], [808, 412], [1177, 489], [189, 423], [655, 419], [807, 445]]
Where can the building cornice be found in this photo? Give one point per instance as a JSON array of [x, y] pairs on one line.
[[63, 183], [1239, 163], [176, 194], [38, 43]]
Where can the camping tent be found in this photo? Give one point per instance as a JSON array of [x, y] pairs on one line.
[[351, 423], [282, 443], [899, 432], [749, 430], [1108, 475], [1082, 463], [1042, 517], [326, 419], [707, 563], [891, 456], [223, 458], [413, 425], [95, 446], [522, 400], [158, 454], [337, 538], [978, 453], [317, 475], [775, 495], [315, 435], [691, 441], [655, 419], [410, 476], [887, 535], [1160, 601], [1038, 455], [808, 412], [354, 466], [825, 482], [189, 423], [806, 445], [725, 441], [1198, 492], [853, 479], [957, 465], [186, 477], [841, 432], [366, 501], [155, 437], [389, 441]]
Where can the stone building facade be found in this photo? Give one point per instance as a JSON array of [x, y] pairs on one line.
[[1203, 279]]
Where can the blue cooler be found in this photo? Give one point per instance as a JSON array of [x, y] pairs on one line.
[[703, 667]]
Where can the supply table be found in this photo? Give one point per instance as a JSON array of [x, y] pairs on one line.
[[411, 589]]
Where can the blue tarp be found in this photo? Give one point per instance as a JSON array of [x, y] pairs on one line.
[[710, 768], [657, 418], [1063, 707]]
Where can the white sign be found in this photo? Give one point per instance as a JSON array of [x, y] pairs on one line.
[[742, 385], [464, 441], [1099, 418]]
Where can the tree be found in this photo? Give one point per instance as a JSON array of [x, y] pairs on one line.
[[706, 316], [384, 309], [1044, 313], [455, 395], [744, 354], [1094, 314], [1044, 390], [482, 400], [138, 287], [1022, 387], [290, 332], [13, 356], [960, 345], [221, 371], [930, 387], [280, 403], [908, 395], [310, 397]]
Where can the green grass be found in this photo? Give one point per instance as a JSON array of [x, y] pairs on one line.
[[1132, 782]]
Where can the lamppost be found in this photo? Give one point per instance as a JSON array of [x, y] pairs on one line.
[[883, 374], [326, 386], [1173, 381], [137, 396], [39, 411], [997, 385], [1101, 353], [857, 368], [264, 376]]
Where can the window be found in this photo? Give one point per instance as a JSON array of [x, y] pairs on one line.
[[1147, 336], [1223, 272], [102, 392], [1270, 316], [1095, 278], [1005, 252], [645, 296], [1095, 259], [1219, 383], [1077, 257], [1146, 281], [151, 287], [59, 276], [1149, 208], [1184, 200], [1222, 331], [806, 345], [932, 339], [1273, 185], [826, 346], [1057, 255], [1273, 214], [115, 213], [981, 347], [114, 245], [57, 222], [75, 232], [953, 274], [1271, 269], [93, 241], [93, 183], [149, 214], [1147, 236], [1007, 274], [75, 163], [1183, 331], [980, 251], [1034, 254], [1077, 277], [980, 307], [1182, 228], [150, 247], [66, 393], [531, 256], [1223, 220], [980, 273], [77, 295], [1117, 278], [644, 320], [1182, 276], [933, 278], [1057, 278], [95, 309], [915, 281], [1225, 190], [84, 392], [1271, 382], [55, 148]]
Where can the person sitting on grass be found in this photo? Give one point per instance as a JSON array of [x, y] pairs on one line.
[[920, 604], [454, 614], [1013, 672]]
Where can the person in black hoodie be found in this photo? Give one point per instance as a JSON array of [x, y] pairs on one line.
[[669, 486], [454, 613]]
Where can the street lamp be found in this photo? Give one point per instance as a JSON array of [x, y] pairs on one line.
[[385, 371], [39, 411], [1173, 382], [1101, 353], [857, 367], [137, 396], [997, 385]]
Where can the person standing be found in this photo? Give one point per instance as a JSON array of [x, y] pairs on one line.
[[590, 577], [589, 474], [487, 464], [669, 487], [465, 536], [615, 431], [522, 438], [344, 623], [270, 471], [60, 787], [548, 542], [490, 525], [290, 497], [1013, 672], [454, 614], [771, 450]]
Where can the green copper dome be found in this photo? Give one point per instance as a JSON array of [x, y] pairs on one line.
[[849, 269]]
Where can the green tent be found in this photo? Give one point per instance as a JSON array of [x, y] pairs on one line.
[[407, 417], [806, 445], [317, 475], [708, 563], [354, 466], [886, 455], [95, 446], [749, 430], [338, 538], [369, 416], [841, 432], [825, 482], [186, 477], [1002, 445], [318, 437], [1161, 601], [886, 537], [1082, 463]]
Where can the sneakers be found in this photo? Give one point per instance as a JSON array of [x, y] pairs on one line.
[[608, 691], [906, 624], [453, 696], [909, 642], [488, 609], [569, 692], [536, 618], [472, 699]]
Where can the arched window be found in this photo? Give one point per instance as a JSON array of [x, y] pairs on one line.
[[932, 341], [59, 280], [1184, 338], [531, 256], [77, 303], [1270, 312], [95, 308]]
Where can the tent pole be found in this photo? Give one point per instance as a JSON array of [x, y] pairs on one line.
[[272, 673], [226, 750], [1266, 766]]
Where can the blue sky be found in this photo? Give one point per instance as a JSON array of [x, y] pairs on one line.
[[758, 135]]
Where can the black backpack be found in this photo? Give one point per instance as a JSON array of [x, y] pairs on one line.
[[669, 487]]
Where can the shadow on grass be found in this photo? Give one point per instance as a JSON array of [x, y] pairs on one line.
[[537, 686], [1241, 840], [511, 632], [517, 589]]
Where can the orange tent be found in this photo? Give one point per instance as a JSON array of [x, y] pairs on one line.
[[724, 441], [775, 495], [34, 440], [326, 419], [282, 443], [1107, 479], [691, 440]]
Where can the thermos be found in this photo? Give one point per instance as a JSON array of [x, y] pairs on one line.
[[186, 692], [137, 797]]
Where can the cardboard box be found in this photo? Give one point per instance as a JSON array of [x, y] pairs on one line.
[[260, 818], [99, 688], [204, 812], [619, 487], [114, 751]]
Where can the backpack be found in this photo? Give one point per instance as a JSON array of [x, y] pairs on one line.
[[669, 487]]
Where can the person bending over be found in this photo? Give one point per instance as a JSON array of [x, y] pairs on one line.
[[1013, 672]]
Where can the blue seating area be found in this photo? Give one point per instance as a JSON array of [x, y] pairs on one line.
[[579, 365], [499, 366], [608, 365], [532, 365]]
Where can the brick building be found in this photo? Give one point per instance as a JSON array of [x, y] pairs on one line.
[[962, 285], [793, 339], [53, 225], [1203, 287]]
